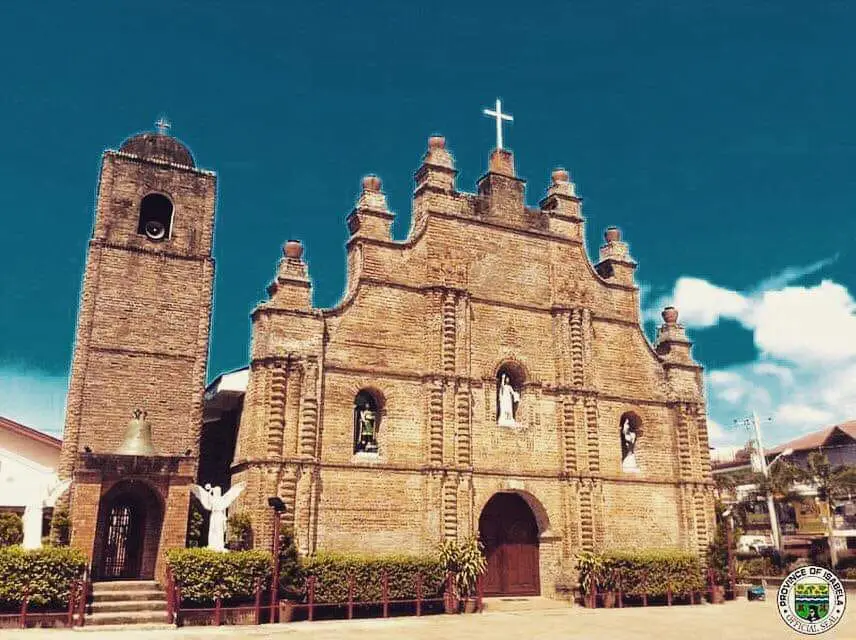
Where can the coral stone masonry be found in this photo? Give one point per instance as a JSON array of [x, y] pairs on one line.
[[480, 376]]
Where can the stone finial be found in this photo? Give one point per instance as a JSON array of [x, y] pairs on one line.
[[561, 184], [670, 315], [372, 197], [437, 154], [371, 183], [614, 249], [612, 234], [293, 250]]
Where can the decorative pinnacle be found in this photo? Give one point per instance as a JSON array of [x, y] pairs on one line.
[[371, 183], [560, 176], [670, 315], [293, 249]]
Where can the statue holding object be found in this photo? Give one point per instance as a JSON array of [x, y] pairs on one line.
[[212, 500]]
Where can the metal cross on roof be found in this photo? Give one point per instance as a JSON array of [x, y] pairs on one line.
[[500, 116], [163, 126]]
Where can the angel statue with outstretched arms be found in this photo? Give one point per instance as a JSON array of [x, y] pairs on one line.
[[212, 500]]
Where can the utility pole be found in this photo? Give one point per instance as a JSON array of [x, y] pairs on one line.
[[771, 506]]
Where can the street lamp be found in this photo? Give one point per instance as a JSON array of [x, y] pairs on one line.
[[278, 506]]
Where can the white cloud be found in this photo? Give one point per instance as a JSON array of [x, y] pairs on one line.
[[805, 376], [33, 398]]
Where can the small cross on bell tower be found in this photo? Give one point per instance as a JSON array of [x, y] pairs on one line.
[[163, 126]]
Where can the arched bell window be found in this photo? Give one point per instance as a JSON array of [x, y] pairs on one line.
[[366, 422], [155, 220]]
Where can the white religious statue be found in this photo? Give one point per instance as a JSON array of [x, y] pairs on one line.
[[44, 494], [628, 433], [217, 504], [508, 397]]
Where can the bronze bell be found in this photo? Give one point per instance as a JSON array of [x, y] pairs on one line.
[[138, 437]]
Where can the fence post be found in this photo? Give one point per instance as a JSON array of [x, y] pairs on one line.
[[24, 604], [449, 595], [418, 594], [710, 583], [384, 583], [217, 612], [177, 591], [311, 598], [169, 601], [350, 597], [81, 603], [257, 609], [72, 595], [669, 595]]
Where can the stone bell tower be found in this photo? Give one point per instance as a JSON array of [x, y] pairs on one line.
[[141, 350]]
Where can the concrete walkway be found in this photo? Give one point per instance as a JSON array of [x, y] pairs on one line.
[[734, 620]]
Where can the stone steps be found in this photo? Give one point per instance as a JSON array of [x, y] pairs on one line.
[[126, 618], [127, 602], [522, 603]]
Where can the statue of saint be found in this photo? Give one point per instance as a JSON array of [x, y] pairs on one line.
[[628, 435], [368, 429], [43, 495], [212, 500], [508, 399]]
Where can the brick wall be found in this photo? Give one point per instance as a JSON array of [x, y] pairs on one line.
[[425, 323]]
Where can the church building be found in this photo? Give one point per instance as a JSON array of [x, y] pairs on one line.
[[481, 376]]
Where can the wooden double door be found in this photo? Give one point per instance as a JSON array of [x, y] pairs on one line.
[[509, 533]]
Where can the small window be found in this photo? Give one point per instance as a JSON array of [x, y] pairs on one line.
[[366, 423], [155, 217]]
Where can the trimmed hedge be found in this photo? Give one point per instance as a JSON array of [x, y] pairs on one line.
[[45, 574], [651, 572], [332, 570], [204, 574]]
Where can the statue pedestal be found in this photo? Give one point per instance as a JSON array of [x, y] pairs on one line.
[[629, 465], [505, 422]]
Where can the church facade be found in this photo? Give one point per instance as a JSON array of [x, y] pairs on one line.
[[481, 376]]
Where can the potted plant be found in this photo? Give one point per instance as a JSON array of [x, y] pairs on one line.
[[290, 577], [590, 566], [607, 582], [466, 563]]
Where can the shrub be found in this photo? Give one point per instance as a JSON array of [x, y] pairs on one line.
[[60, 528], [195, 523], [850, 574], [333, 570], [466, 561], [847, 563], [204, 574], [290, 572], [11, 529], [240, 535], [758, 567], [45, 574], [654, 571]]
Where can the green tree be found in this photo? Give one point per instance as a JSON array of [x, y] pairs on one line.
[[831, 482], [11, 529]]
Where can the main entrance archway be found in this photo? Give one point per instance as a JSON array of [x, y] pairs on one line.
[[509, 533], [129, 528]]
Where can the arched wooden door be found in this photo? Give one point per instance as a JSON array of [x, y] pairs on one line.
[[509, 533]]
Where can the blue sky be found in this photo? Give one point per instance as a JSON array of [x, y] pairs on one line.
[[719, 136]]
